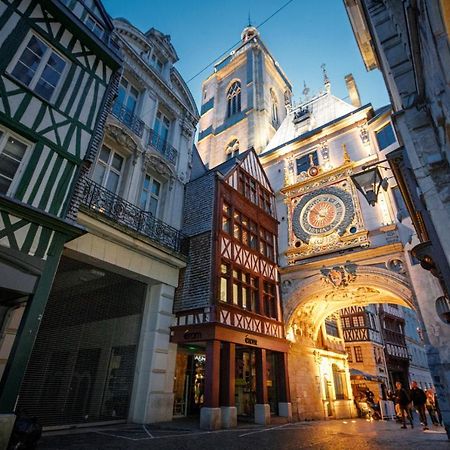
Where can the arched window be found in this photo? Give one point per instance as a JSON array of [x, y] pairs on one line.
[[274, 107], [234, 99], [232, 149]]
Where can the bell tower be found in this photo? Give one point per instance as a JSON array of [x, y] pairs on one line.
[[244, 101]]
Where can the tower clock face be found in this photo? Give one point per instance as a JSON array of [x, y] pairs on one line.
[[322, 212]]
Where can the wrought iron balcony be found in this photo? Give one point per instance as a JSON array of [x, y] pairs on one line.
[[102, 201], [161, 145], [129, 119]]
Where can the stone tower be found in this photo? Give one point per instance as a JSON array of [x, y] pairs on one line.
[[243, 102]]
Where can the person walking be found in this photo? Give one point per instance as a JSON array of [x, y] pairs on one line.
[[419, 399], [431, 408], [403, 400]]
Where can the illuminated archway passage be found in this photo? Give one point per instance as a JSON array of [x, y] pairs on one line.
[[318, 366]]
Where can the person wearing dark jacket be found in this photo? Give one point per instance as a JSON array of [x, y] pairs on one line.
[[419, 400], [403, 400]]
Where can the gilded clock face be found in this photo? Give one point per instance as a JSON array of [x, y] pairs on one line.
[[322, 212]]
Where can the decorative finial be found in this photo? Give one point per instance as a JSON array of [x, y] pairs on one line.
[[249, 19], [346, 155], [326, 80], [305, 90]]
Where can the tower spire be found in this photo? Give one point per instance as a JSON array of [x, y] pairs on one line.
[[249, 19], [326, 80]]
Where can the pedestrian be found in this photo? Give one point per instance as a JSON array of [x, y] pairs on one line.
[[430, 405], [403, 400], [436, 407], [419, 399]]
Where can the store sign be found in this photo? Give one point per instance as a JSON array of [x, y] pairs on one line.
[[250, 341], [192, 335]]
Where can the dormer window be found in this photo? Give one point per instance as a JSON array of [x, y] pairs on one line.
[[234, 99], [156, 63], [94, 26]]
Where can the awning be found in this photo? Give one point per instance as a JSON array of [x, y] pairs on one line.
[[356, 374]]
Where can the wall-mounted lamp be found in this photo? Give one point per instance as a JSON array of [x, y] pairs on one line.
[[369, 182]]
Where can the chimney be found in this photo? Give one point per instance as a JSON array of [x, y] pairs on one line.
[[352, 90]]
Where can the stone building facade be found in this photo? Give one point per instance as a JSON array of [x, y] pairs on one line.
[[243, 101], [103, 353], [357, 257], [408, 41]]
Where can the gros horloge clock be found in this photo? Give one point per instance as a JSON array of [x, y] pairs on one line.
[[322, 212]]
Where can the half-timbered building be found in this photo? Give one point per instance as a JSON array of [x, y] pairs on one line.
[[103, 352], [231, 359], [58, 77]]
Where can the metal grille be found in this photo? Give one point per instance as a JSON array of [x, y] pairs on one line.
[[82, 366]]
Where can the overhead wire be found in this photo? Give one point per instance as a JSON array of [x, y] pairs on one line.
[[238, 42]]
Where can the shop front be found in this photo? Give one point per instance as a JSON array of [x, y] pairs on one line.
[[225, 375]]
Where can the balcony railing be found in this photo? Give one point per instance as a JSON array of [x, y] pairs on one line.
[[159, 144], [102, 201], [129, 119]]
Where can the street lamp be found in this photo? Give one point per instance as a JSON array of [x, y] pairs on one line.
[[369, 182]]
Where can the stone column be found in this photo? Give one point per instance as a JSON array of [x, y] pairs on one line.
[[262, 407], [210, 414], [284, 396], [227, 385], [152, 399]]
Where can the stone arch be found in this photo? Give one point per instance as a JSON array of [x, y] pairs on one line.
[[310, 300]]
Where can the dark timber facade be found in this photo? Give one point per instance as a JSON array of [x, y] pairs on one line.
[[232, 352], [57, 80]]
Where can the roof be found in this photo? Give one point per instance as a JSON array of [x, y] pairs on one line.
[[320, 110]]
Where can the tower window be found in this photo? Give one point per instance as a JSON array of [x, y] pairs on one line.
[[274, 101], [234, 99], [232, 149]]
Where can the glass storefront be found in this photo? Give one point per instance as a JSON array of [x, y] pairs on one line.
[[189, 382], [245, 381]]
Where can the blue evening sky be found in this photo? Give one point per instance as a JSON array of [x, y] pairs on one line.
[[301, 37]]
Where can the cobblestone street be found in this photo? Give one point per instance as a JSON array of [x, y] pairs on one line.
[[348, 434]]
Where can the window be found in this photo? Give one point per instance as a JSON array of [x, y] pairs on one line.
[[108, 169], [232, 149], [339, 382], [346, 321], [127, 98], [234, 99], [399, 202], [156, 63], [349, 354], [239, 288], [39, 67], [12, 153], [150, 195], [385, 136], [94, 26], [226, 218], [161, 128], [331, 327], [358, 354], [306, 161], [274, 103], [266, 243], [270, 306], [358, 321]]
